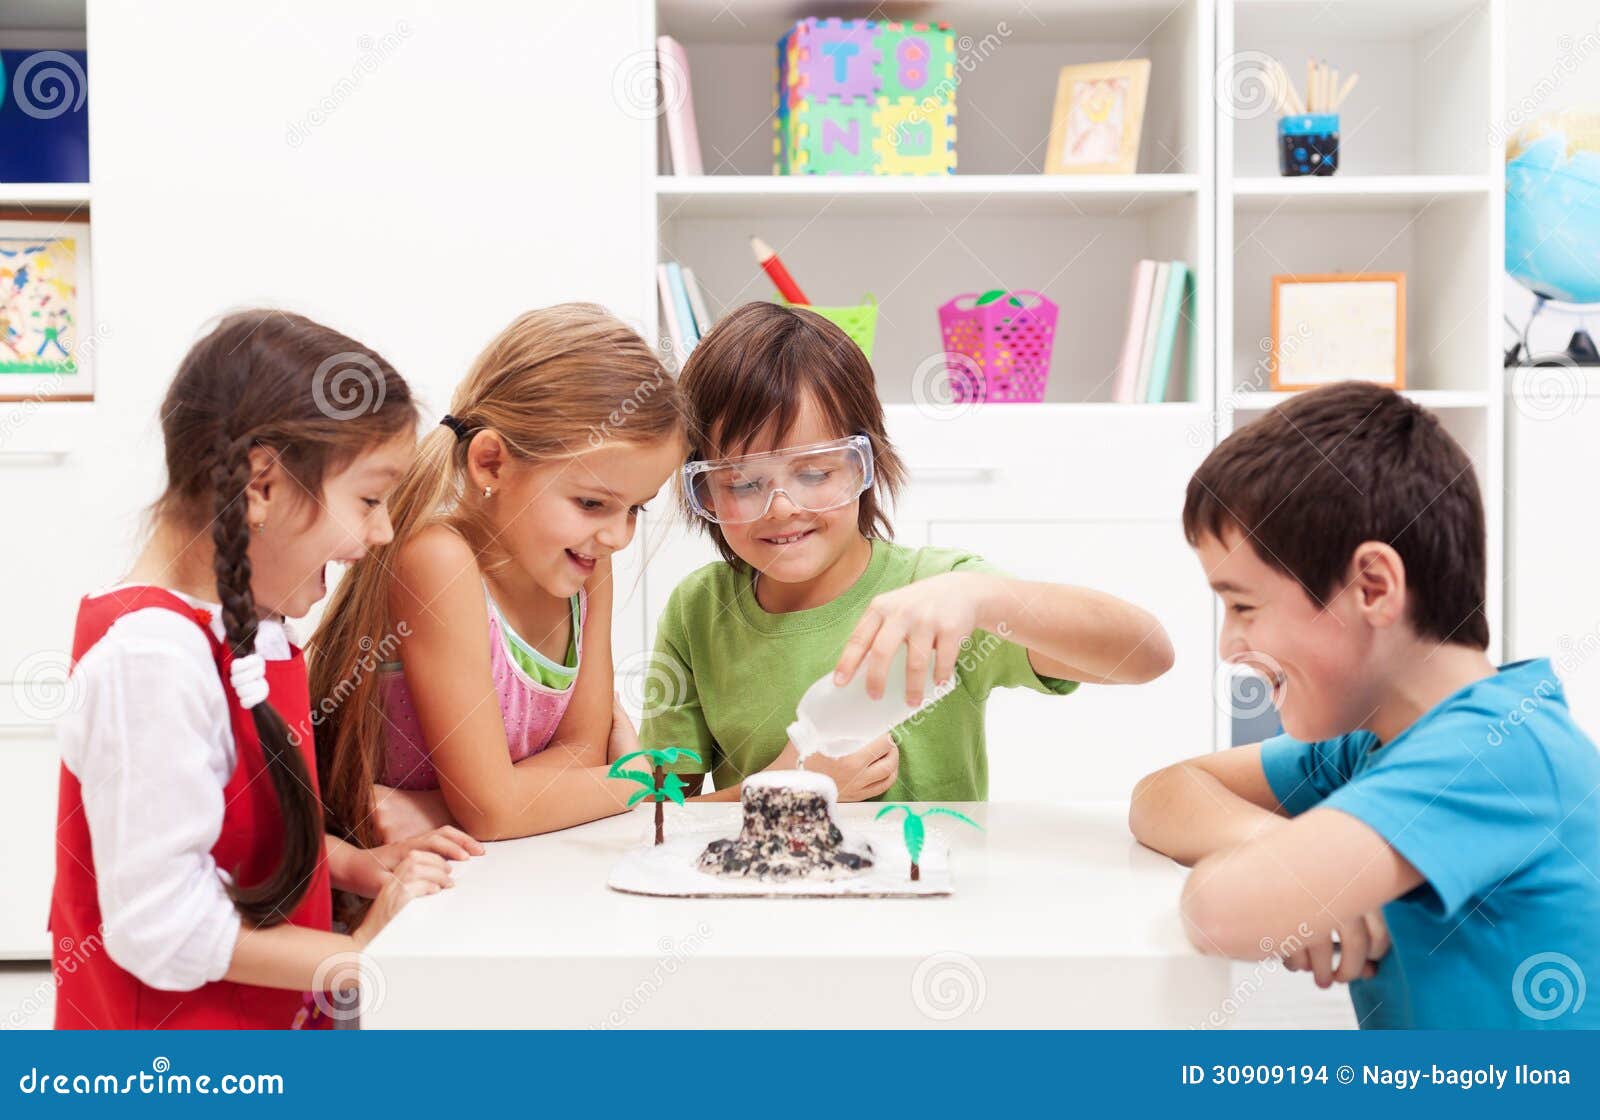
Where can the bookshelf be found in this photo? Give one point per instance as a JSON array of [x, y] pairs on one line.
[[915, 242], [1419, 190], [1026, 485]]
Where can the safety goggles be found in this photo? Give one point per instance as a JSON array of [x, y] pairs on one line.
[[815, 479]]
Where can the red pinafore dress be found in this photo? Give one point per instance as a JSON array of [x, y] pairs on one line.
[[92, 992]]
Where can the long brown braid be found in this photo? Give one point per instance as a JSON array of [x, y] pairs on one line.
[[268, 379]]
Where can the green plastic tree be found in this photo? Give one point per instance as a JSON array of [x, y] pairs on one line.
[[915, 832], [658, 784]]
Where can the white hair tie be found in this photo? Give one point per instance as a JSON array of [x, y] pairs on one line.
[[249, 675]]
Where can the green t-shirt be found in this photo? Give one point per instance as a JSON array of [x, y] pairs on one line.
[[726, 676]]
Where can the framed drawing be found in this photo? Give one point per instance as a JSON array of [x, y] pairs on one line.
[[1338, 327], [1098, 117], [45, 320]]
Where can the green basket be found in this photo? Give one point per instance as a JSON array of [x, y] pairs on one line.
[[860, 322]]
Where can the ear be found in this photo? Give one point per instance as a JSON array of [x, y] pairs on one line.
[[487, 459], [1376, 583], [266, 486]]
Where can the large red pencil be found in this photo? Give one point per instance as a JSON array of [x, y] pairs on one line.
[[769, 262]]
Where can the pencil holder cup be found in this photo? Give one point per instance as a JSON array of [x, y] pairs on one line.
[[860, 321], [999, 345], [1308, 144]]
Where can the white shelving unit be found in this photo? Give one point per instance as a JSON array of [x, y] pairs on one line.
[[1065, 489], [1419, 190]]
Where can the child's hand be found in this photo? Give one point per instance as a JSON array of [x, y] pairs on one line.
[[929, 617], [1361, 945], [400, 814], [624, 738], [419, 873], [860, 776], [446, 840]]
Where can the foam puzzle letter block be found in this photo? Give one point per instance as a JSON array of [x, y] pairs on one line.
[[864, 97]]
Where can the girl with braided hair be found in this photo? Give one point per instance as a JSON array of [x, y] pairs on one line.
[[193, 872]]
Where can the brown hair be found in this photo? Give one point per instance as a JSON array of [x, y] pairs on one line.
[[752, 373], [1336, 466], [316, 399], [555, 383]]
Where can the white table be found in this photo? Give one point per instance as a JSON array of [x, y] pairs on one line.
[[1059, 919]]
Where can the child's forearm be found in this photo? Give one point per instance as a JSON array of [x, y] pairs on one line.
[[1087, 635], [289, 956], [1187, 814], [541, 799], [353, 869]]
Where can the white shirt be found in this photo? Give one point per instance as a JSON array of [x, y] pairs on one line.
[[152, 747]]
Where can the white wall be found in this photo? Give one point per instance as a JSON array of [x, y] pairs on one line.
[[412, 173]]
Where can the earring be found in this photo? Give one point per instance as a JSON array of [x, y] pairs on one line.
[[487, 492], [260, 527]]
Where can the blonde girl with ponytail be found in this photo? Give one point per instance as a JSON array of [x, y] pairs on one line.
[[190, 841], [493, 707]]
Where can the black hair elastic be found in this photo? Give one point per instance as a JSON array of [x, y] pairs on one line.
[[456, 425]]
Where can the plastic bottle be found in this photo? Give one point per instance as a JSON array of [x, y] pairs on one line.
[[835, 721]]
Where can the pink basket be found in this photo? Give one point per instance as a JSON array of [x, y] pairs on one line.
[[1001, 350]]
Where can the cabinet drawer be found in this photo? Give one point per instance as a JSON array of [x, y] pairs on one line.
[[1037, 462]]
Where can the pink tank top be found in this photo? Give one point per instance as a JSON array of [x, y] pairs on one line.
[[531, 710]]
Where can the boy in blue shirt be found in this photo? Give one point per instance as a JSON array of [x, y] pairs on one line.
[[1428, 830]]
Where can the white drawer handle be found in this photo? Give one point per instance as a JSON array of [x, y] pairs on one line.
[[26, 458], [955, 474]]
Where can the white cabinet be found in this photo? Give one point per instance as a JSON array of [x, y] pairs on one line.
[[1102, 739]]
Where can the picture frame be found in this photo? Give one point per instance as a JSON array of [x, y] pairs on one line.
[[1334, 327], [1098, 118], [46, 307]]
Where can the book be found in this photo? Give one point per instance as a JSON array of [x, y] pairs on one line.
[[1167, 331], [1147, 349], [669, 315], [697, 303], [677, 106], [680, 305], [1133, 337]]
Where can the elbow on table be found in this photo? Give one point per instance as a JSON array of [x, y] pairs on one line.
[[1217, 917], [1145, 809]]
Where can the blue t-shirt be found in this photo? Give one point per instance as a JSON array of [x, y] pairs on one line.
[[1494, 796]]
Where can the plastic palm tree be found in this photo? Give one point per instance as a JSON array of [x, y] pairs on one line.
[[659, 786], [914, 832]]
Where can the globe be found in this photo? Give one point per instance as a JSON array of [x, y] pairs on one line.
[[1553, 207]]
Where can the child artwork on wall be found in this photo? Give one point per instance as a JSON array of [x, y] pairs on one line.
[[1098, 118], [42, 309]]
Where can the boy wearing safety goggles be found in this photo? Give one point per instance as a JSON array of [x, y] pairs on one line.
[[789, 477]]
